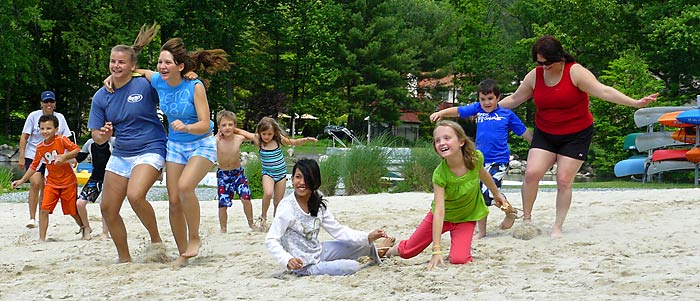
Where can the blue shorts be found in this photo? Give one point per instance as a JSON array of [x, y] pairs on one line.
[[231, 182], [497, 171], [123, 166], [91, 191], [181, 152]]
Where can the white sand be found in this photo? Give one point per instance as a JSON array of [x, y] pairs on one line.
[[617, 245]]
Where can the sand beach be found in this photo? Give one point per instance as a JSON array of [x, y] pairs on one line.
[[617, 245]]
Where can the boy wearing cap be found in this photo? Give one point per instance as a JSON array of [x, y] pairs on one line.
[[30, 138]]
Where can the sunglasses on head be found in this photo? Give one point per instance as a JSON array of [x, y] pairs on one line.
[[545, 63]]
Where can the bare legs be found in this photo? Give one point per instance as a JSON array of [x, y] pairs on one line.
[[538, 162], [184, 205], [36, 188], [115, 189], [247, 210]]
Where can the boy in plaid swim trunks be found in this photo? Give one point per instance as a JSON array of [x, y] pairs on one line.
[[230, 176]]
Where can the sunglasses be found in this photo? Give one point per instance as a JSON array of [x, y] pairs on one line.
[[48, 100], [545, 63]]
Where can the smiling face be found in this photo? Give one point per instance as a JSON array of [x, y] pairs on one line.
[[488, 102], [120, 65], [47, 130], [446, 142], [168, 68], [299, 184]]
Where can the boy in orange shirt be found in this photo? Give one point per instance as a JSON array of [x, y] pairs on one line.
[[61, 183]]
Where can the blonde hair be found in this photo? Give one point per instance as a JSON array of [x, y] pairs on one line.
[[211, 61], [225, 114], [267, 123], [145, 36], [468, 149]]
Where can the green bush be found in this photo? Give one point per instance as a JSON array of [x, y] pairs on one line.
[[253, 171], [331, 169], [418, 170], [365, 166]]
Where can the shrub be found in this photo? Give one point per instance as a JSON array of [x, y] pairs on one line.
[[418, 170], [253, 171], [364, 167], [331, 168]]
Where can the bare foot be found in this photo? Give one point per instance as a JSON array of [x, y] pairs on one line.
[[86, 233], [385, 245], [180, 261], [192, 248], [479, 235], [223, 230], [262, 224], [556, 232]]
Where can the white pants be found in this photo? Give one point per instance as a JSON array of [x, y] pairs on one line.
[[340, 258]]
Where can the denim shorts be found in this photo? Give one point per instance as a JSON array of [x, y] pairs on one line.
[[124, 165], [181, 152]]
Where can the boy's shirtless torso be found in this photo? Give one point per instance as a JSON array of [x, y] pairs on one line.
[[229, 151]]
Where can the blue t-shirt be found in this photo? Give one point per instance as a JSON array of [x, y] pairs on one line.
[[492, 130], [132, 109], [178, 103]]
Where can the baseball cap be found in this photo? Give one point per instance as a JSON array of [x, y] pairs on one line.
[[46, 95]]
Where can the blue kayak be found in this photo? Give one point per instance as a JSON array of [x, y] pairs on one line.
[[631, 166], [690, 117]]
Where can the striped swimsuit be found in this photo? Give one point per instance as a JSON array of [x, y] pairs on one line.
[[273, 164]]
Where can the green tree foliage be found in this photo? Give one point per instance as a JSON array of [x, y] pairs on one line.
[[630, 75]]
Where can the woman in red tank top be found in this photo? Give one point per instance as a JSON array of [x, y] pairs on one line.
[[563, 123]]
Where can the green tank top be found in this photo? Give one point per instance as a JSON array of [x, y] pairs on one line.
[[463, 199]]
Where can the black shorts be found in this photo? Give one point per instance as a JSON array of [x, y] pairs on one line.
[[28, 162], [574, 145]]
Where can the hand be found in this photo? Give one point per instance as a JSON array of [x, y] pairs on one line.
[[435, 261], [376, 234], [295, 264], [435, 116], [60, 159], [501, 202], [307, 139], [108, 84], [16, 184], [107, 129], [190, 75], [644, 101], [20, 163], [179, 126]]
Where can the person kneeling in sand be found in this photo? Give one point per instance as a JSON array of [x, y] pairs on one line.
[[457, 203], [293, 236]]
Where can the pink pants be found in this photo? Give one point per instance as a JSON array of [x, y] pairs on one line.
[[460, 236]]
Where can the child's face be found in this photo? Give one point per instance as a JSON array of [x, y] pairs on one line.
[[300, 188], [47, 130], [446, 142], [488, 102], [226, 126], [267, 135]]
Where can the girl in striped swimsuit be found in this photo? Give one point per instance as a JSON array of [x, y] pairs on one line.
[[269, 138]]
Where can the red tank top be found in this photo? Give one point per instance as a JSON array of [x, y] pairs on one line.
[[561, 109]]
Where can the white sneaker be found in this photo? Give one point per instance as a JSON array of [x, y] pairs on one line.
[[31, 224]]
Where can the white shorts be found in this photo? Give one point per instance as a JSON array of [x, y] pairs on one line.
[[124, 165]]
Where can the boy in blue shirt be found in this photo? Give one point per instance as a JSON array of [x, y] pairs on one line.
[[492, 126]]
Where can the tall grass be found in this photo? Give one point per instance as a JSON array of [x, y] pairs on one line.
[[365, 166], [418, 170], [253, 171], [5, 178], [331, 168]]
